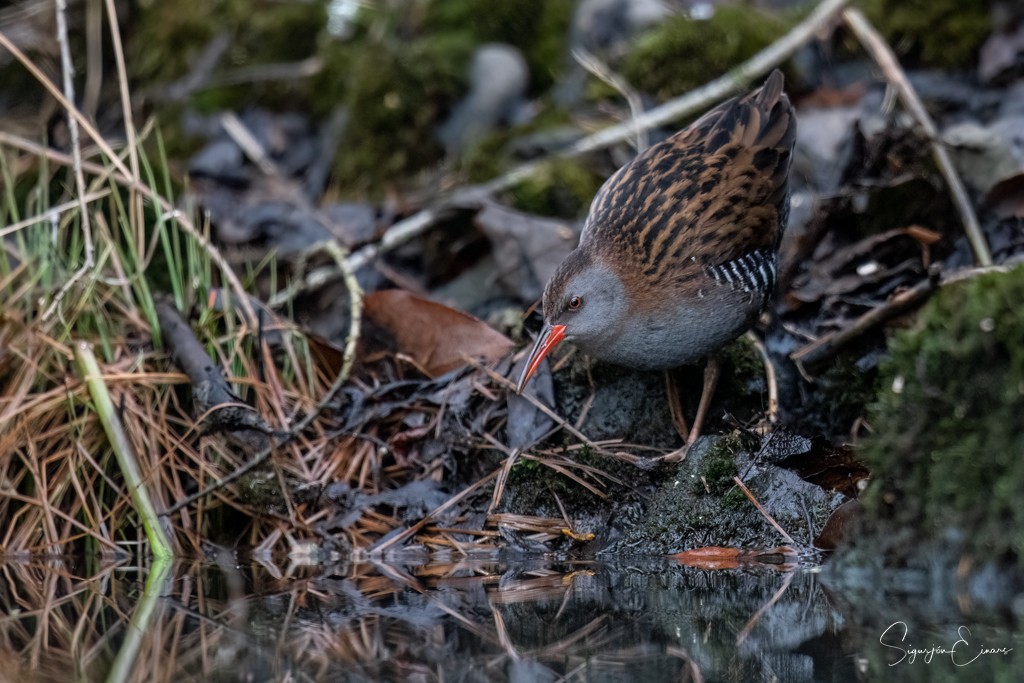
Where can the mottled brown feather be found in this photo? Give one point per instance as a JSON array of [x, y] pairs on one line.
[[713, 192]]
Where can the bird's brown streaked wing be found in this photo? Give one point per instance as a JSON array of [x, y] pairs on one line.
[[711, 193]]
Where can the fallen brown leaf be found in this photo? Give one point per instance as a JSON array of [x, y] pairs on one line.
[[715, 557], [436, 337]]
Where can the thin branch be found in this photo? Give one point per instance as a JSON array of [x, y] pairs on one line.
[[827, 346], [883, 55], [760, 508], [695, 100], [76, 161], [129, 125]]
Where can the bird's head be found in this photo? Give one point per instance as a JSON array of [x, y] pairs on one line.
[[584, 302]]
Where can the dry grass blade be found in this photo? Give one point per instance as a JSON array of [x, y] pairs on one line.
[[546, 526], [506, 470], [563, 467]]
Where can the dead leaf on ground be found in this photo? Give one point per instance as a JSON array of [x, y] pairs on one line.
[[714, 557], [436, 337], [866, 265]]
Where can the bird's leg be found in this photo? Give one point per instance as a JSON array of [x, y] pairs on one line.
[[675, 406], [712, 371]]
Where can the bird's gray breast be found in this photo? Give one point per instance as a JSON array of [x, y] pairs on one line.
[[680, 334]]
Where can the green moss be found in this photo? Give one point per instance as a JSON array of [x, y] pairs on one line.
[[397, 94], [718, 467], [484, 158], [938, 33], [743, 388], [562, 188], [948, 430], [680, 53], [700, 505], [167, 37], [537, 27], [166, 40]]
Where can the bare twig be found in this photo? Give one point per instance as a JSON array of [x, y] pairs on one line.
[[129, 125], [262, 73], [770, 379], [827, 346], [760, 508], [76, 156], [197, 77], [252, 148], [883, 55], [695, 100]]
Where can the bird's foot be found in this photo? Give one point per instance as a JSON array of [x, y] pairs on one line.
[[677, 455]]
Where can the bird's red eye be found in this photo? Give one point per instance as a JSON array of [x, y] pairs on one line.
[[575, 303]]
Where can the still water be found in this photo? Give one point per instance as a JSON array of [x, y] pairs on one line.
[[520, 620]]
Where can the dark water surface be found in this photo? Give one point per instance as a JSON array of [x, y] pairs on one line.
[[513, 620]]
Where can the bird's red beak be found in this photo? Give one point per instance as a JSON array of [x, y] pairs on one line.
[[548, 339]]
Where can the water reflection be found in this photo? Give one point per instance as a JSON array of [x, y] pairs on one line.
[[465, 621]]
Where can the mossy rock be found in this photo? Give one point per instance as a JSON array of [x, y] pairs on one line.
[[948, 428], [936, 33], [698, 504], [681, 52]]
